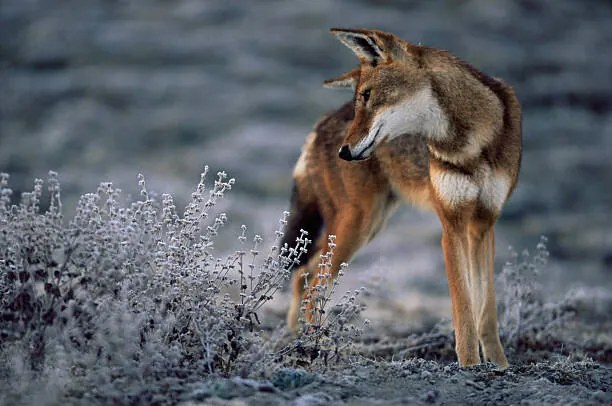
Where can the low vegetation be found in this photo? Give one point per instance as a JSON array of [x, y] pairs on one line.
[[127, 302]]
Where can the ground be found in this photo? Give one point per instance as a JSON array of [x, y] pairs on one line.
[[535, 378]]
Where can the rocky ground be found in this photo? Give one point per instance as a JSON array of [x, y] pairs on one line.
[[564, 364], [102, 90], [417, 382]]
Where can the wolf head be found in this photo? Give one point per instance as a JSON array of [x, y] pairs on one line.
[[393, 95]]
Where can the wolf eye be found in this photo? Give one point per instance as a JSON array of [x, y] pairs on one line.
[[366, 95]]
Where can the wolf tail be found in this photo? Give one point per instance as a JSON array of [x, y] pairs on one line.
[[304, 215]]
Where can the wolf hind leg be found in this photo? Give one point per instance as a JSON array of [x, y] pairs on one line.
[[299, 289]]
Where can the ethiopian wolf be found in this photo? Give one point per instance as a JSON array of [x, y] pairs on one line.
[[427, 128]]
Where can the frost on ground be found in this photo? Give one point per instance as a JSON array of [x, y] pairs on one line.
[[128, 303]]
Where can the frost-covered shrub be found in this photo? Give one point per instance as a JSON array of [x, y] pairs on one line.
[[125, 295], [333, 325], [526, 316], [520, 298]]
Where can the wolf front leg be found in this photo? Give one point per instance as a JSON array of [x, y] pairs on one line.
[[455, 250], [482, 252], [299, 289]]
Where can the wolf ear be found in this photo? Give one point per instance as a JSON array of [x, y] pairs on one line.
[[348, 79], [364, 43]]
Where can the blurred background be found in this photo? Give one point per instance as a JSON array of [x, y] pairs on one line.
[[104, 90]]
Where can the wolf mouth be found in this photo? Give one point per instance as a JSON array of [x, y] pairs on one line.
[[360, 156]]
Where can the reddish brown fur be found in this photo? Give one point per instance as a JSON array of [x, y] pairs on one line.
[[463, 165]]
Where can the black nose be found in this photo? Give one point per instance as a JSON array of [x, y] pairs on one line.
[[345, 153]]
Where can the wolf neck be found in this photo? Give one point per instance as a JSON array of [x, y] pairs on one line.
[[420, 114], [461, 121], [423, 115], [456, 114]]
